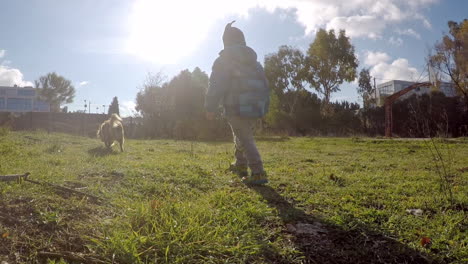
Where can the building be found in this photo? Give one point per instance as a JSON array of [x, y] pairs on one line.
[[21, 99], [388, 88]]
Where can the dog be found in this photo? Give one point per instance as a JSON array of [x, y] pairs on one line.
[[112, 130]]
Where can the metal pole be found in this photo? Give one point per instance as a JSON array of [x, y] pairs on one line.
[[388, 119]]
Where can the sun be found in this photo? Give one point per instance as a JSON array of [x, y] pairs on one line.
[[164, 32]]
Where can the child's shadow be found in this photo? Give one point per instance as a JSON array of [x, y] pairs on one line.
[[322, 242], [101, 151]]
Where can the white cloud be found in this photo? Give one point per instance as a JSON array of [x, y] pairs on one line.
[[375, 58], [409, 32], [127, 108], [421, 3], [426, 23], [395, 41], [424, 20], [399, 69], [83, 83], [192, 20], [384, 69], [387, 10], [10, 76], [5, 62], [319, 13], [358, 26], [2, 53]]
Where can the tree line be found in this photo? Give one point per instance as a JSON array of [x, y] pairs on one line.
[[302, 86]]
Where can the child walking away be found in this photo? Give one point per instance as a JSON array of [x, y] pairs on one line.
[[238, 83]]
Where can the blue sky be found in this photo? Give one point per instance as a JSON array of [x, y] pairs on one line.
[[107, 47]]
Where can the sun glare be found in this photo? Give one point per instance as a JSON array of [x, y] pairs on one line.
[[165, 31]]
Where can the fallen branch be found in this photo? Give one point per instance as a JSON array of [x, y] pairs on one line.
[[25, 177], [65, 189], [70, 256], [14, 177]]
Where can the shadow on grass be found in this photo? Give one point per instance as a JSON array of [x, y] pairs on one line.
[[322, 242], [101, 151]]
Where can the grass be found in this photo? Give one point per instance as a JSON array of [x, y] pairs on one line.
[[330, 200]]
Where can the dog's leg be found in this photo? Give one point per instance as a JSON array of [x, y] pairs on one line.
[[121, 142]]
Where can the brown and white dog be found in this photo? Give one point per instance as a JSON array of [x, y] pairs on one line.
[[112, 130]]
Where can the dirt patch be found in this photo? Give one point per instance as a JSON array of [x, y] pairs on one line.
[[30, 225]]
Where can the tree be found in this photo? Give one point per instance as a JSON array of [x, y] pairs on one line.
[[329, 62], [187, 93], [365, 88], [284, 71], [174, 108], [451, 57], [114, 107], [55, 90], [152, 103], [150, 98]]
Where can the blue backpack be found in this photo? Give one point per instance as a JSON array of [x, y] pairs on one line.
[[249, 95]]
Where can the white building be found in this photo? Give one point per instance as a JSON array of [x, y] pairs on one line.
[[21, 99], [388, 88]]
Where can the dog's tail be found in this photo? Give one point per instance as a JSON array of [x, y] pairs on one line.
[[114, 118]]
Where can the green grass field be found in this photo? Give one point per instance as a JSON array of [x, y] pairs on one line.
[[329, 200]]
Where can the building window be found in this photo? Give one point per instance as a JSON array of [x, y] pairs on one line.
[[386, 90], [41, 106], [11, 92], [23, 92], [2, 91], [2, 103], [19, 104]]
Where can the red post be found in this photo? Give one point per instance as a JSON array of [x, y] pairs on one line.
[[392, 98], [388, 120]]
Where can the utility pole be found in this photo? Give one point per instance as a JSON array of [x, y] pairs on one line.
[[375, 93], [429, 73], [103, 109]]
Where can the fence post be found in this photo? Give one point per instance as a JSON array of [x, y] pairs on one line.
[[31, 120], [82, 124]]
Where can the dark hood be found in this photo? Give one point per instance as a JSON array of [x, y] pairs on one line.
[[233, 36]]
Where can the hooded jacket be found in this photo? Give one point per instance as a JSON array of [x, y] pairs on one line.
[[235, 54]]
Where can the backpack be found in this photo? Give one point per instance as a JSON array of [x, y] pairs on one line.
[[249, 94]]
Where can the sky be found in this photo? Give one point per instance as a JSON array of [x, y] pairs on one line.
[[108, 47]]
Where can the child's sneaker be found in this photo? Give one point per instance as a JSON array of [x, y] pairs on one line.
[[256, 179], [240, 170]]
